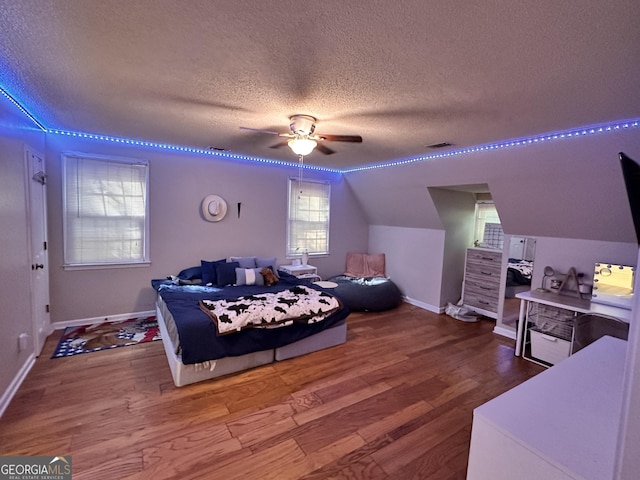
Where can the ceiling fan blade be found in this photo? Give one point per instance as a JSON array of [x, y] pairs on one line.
[[342, 138], [324, 149], [260, 131], [280, 144]]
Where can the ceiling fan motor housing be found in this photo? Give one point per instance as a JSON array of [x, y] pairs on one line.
[[302, 124]]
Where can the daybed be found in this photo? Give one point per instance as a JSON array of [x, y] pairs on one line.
[[196, 343], [518, 277], [364, 286]]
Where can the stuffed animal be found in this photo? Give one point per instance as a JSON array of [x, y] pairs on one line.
[[269, 277]]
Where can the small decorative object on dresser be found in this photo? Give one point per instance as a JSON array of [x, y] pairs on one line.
[[481, 287]]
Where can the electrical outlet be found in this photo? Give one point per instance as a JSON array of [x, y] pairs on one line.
[[23, 340]]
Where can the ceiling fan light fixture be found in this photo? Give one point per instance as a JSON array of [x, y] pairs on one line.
[[302, 146]]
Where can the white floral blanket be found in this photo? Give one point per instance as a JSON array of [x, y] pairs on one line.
[[270, 310]]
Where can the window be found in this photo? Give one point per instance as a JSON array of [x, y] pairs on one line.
[[488, 227], [105, 210], [308, 226]]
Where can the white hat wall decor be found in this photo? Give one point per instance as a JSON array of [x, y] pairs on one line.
[[214, 208]]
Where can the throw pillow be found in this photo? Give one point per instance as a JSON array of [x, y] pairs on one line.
[[249, 276], [190, 273], [208, 271], [271, 262], [226, 273], [244, 262]]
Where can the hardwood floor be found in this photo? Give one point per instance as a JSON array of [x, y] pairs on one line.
[[394, 402]]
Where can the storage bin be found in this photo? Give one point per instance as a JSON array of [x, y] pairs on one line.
[[548, 348], [554, 321]]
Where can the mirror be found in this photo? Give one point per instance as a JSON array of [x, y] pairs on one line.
[[613, 285], [521, 253]]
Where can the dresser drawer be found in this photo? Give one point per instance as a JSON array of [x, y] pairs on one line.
[[481, 288], [484, 273], [484, 256], [481, 301], [488, 265]]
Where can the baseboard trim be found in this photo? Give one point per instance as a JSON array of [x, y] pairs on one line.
[[505, 332], [111, 318], [424, 306], [8, 395]]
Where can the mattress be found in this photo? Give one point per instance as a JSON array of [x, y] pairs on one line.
[[197, 340], [187, 374]]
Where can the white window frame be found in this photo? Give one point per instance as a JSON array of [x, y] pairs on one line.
[[112, 200], [301, 195], [486, 212]]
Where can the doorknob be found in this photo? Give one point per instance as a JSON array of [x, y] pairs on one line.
[[37, 266]]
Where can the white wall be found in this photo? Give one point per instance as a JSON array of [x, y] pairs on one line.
[[564, 253], [414, 261], [570, 188], [179, 236]]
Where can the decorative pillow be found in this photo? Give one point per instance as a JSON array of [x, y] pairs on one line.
[[271, 262], [249, 276], [226, 273], [190, 273], [269, 277], [208, 271], [245, 262]]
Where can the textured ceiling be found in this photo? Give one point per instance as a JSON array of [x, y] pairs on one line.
[[403, 74]]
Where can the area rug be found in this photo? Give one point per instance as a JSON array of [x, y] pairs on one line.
[[102, 336]]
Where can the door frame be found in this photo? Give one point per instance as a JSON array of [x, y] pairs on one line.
[[37, 239]]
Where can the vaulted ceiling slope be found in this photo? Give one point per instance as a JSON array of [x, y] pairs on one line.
[[403, 75]]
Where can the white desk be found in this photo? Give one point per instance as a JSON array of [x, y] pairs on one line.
[[569, 303], [561, 424]]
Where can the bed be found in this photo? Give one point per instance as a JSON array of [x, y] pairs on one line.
[[198, 349], [518, 276], [364, 287]]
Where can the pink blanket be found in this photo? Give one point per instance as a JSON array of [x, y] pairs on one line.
[[364, 265]]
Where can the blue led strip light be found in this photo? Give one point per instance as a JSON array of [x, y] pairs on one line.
[[567, 134], [22, 109], [178, 148], [575, 133]]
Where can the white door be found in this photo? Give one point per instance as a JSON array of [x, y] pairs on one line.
[[37, 190]]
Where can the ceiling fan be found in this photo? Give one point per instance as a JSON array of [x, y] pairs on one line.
[[302, 139]]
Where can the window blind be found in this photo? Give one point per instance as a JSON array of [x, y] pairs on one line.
[[308, 225], [105, 211]]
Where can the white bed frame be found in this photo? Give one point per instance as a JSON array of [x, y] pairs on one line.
[[187, 374]]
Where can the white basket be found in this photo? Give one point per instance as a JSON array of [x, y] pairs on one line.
[[548, 348]]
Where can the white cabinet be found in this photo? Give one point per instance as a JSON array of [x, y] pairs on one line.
[[561, 424]]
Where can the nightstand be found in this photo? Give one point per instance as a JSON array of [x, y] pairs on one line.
[[301, 271]]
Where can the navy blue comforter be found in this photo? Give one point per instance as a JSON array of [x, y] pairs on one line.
[[199, 340]]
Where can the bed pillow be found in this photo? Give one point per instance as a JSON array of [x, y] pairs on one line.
[[226, 273], [208, 271], [249, 276], [245, 262], [270, 262], [190, 273]]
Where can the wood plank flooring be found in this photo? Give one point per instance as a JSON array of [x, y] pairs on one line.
[[394, 402]]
